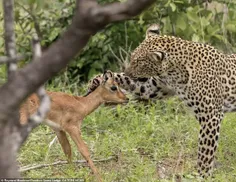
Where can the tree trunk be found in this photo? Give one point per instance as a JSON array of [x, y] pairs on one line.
[[10, 140]]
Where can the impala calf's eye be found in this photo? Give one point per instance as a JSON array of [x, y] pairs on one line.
[[113, 88]]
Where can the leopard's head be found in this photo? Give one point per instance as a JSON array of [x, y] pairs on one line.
[[151, 57]]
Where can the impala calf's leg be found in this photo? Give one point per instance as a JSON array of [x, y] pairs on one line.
[[61, 135], [82, 147]]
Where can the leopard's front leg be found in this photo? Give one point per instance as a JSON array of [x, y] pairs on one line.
[[207, 105], [208, 142]]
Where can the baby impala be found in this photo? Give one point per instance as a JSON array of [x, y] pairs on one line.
[[68, 111]]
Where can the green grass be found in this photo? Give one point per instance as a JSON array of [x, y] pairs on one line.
[[150, 142]]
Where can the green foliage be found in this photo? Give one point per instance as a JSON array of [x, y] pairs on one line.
[[191, 20]]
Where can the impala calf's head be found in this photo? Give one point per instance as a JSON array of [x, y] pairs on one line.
[[109, 89]]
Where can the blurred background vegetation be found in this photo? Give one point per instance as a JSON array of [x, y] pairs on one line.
[[197, 20]]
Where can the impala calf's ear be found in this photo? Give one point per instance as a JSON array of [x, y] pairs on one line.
[[95, 83], [106, 75]]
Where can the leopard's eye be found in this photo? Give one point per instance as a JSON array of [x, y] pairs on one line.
[[113, 88]]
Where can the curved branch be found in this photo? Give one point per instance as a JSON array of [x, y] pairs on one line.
[[119, 11]]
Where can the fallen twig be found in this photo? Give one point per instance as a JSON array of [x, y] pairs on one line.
[[39, 166]]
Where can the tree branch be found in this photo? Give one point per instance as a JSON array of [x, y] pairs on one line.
[[119, 11], [36, 23], [9, 127], [9, 34], [88, 19], [44, 106], [5, 59]]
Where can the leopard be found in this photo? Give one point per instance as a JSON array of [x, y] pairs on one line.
[[141, 89], [202, 76]]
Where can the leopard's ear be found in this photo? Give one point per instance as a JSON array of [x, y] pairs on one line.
[[106, 75], [154, 29], [157, 56]]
